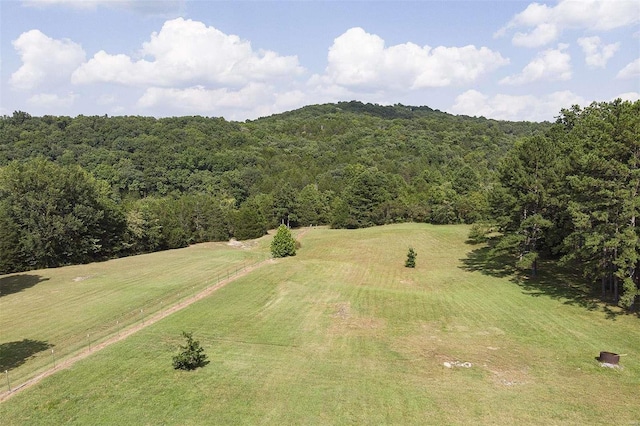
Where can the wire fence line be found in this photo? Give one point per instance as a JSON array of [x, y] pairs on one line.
[[55, 355]]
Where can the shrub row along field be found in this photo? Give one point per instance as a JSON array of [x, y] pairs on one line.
[[344, 333]]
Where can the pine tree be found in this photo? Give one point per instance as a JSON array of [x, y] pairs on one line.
[[411, 258], [192, 355], [603, 184], [529, 176]]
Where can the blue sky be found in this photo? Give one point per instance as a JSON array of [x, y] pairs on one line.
[[514, 60]]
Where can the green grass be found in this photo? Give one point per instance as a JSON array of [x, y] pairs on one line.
[[343, 333], [68, 309]]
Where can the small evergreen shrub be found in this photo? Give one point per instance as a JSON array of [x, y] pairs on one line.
[[411, 258], [192, 355], [283, 244]]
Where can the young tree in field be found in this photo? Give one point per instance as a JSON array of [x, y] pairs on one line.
[[283, 244], [192, 355], [411, 258]]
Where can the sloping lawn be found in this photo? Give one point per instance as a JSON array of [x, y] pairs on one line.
[[343, 333]]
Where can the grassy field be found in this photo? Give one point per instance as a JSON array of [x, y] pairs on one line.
[[345, 334], [68, 309]]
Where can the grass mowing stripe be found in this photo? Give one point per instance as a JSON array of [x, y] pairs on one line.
[[343, 335], [78, 306]]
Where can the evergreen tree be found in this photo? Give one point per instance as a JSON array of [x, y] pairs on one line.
[[529, 174], [248, 223], [411, 258], [283, 244], [192, 355], [603, 186]]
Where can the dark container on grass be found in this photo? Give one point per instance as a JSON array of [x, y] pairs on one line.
[[609, 358]]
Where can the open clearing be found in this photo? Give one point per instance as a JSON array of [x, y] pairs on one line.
[[340, 334]]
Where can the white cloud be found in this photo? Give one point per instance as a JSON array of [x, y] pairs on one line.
[[187, 53], [551, 64], [106, 99], [75, 4], [539, 36], [252, 101], [162, 7], [632, 70], [509, 107], [545, 23], [360, 61], [44, 59], [628, 96], [52, 101], [596, 53]]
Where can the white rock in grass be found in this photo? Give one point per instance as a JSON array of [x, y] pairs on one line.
[[447, 364]]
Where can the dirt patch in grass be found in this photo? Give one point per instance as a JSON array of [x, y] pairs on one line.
[[347, 322]]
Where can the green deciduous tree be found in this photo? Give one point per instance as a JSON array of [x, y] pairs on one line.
[[59, 214]]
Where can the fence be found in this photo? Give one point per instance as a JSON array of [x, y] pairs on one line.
[[75, 344]]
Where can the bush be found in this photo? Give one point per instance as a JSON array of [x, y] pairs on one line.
[[192, 355], [411, 258], [283, 244]]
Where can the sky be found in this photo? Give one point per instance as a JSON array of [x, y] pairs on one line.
[[241, 60]]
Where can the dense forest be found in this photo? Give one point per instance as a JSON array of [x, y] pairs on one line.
[[86, 188]]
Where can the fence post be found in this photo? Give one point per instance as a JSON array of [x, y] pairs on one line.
[[8, 384], [54, 358]]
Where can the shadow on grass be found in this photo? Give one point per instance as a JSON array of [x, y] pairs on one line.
[[14, 354], [561, 283], [16, 283]]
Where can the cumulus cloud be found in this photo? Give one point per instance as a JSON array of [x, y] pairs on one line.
[[186, 53], [251, 101], [44, 59], [551, 64], [596, 53], [545, 23], [509, 107], [361, 61], [628, 96], [52, 101], [632, 70]]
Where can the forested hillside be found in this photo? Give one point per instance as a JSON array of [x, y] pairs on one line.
[[86, 188]]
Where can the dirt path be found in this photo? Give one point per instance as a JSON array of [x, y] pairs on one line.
[[128, 332], [147, 322]]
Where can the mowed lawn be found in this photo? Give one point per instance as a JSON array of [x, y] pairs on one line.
[[68, 309], [343, 333]]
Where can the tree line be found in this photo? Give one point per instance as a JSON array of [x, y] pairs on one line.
[[573, 194], [86, 188], [74, 190]]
